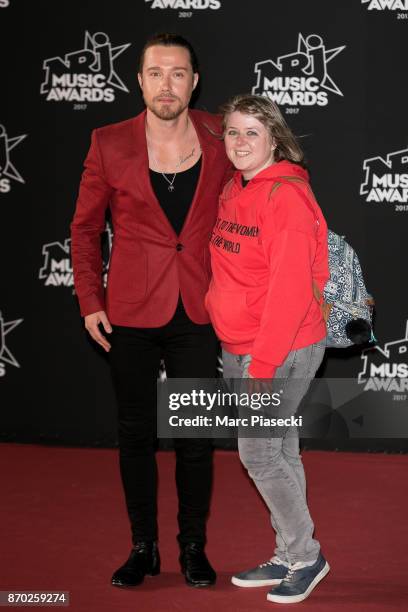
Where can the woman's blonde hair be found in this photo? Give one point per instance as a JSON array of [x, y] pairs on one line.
[[268, 113]]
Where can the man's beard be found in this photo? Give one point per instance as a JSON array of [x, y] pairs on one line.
[[165, 111]]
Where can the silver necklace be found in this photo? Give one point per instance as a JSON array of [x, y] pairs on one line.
[[182, 161]]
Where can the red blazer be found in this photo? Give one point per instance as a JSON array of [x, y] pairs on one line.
[[149, 263]]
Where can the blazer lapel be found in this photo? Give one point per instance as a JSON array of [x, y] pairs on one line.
[[209, 152]]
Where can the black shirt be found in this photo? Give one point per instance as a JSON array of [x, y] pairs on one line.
[[176, 203]]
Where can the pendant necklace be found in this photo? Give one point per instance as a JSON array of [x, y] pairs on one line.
[[182, 161]]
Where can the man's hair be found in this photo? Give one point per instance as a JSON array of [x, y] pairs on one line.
[[167, 39], [268, 113]]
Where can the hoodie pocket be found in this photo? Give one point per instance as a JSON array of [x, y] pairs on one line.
[[255, 301], [230, 315]]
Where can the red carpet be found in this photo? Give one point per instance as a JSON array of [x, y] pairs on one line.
[[65, 527]]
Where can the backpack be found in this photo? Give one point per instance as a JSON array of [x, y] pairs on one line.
[[349, 319], [346, 305]]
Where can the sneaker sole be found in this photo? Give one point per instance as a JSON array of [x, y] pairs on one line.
[[255, 583], [296, 598]]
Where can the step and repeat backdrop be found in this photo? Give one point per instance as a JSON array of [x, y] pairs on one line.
[[338, 71]]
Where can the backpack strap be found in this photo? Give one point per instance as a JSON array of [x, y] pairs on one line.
[[227, 187], [325, 307], [292, 180]]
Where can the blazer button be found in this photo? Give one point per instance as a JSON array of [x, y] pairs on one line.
[[179, 247]]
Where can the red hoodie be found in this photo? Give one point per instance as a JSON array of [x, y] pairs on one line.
[[266, 249]]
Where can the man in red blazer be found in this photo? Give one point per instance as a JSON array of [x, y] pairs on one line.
[[160, 174]]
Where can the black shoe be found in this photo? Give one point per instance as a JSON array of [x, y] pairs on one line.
[[195, 565], [144, 559]]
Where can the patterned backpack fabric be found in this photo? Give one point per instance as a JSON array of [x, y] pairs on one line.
[[350, 313], [347, 307]]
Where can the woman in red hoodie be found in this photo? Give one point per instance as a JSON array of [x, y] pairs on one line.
[[269, 260]]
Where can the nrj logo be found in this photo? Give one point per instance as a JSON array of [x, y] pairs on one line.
[[5, 354], [386, 180], [7, 170], [57, 266], [382, 5], [299, 78], [386, 369], [185, 5], [87, 75]]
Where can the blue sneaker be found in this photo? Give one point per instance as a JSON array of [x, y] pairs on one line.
[[268, 573], [299, 582]]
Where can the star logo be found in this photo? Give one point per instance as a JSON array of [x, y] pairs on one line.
[[306, 46], [94, 44], [5, 328], [7, 144]]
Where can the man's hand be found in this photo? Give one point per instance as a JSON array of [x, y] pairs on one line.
[[92, 322]]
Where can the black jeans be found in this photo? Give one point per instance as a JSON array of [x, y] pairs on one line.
[[189, 351]]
